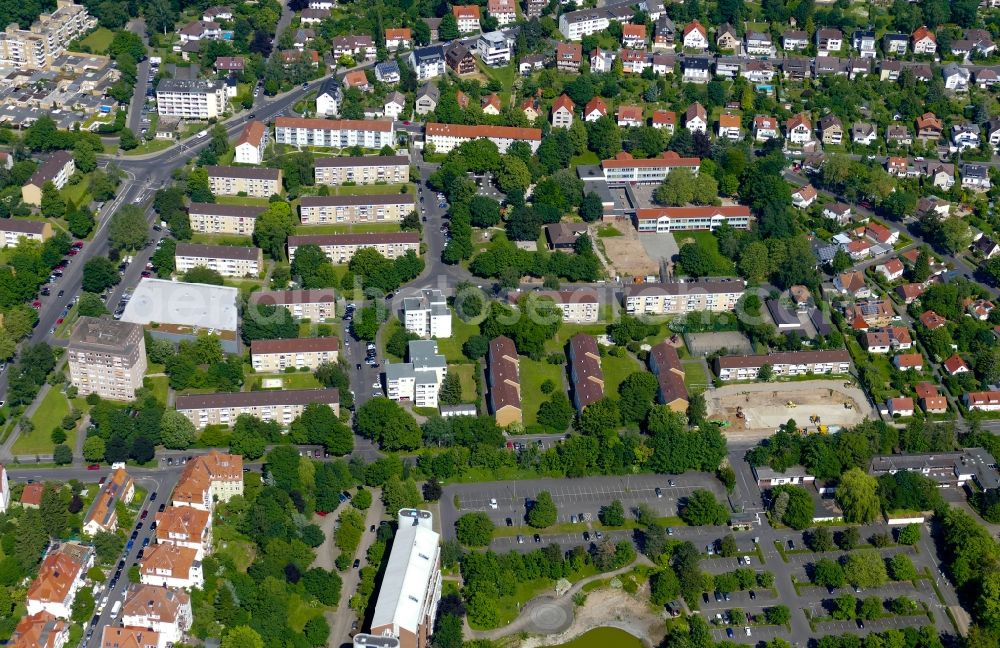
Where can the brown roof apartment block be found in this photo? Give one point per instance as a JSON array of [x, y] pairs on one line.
[[585, 370], [163, 603], [252, 134], [367, 199], [294, 345], [23, 226], [169, 560], [504, 380], [250, 173], [50, 168], [55, 578], [788, 357], [129, 637], [666, 366], [218, 251], [195, 482], [258, 398], [362, 160], [182, 524], [102, 512]]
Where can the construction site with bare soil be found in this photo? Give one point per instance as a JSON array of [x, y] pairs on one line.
[[815, 405]]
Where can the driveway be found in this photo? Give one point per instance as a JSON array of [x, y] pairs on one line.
[[340, 621]]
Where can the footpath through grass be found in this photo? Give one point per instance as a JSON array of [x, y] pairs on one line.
[[50, 413]]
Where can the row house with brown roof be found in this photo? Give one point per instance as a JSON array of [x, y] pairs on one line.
[[585, 373], [102, 515], [280, 406], [362, 170], [272, 356], [165, 611], [445, 137], [503, 378], [207, 479], [892, 338], [665, 364], [168, 565], [60, 576]]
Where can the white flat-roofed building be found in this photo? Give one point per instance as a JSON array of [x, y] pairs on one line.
[[790, 363], [683, 297], [445, 137], [624, 169], [339, 248], [427, 315], [227, 260], [183, 305], [219, 218], [335, 133], [281, 406], [662, 220], [574, 25], [107, 358], [191, 99], [386, 208], [39, 45], [271, 356], [417, 381], [494, 48], [234, 181], [363, 170], [411, 587], [316, 305]]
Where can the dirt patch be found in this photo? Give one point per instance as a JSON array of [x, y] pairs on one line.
[[625, 255], [766, 406], [609, 608]]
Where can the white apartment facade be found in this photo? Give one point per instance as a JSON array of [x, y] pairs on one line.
[[445, 137], [336, 133], [280, 406], [252, 142], [107, 358], [387, 208], [339, 248], [227, 260], [419, 380], [271, 356], [679, 298], [792, 363], [428, 315], [218, 218], [38, 46], [363, 170], [315, 305], [191, 99], [234, 181]]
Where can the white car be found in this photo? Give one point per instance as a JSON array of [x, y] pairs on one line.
[[493, 503], [748, 630], [376, 385]]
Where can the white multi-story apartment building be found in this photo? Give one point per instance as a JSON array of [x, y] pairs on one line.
[[445, 137], [578, 306], [107, 358], [191, 99], [341, 247], [467, 17], [335, 133], [315, 305], [227, 260], [12, 230], [388, 208], [662, 220], [281, 406], [363, 170], [38, 46], [418, 380], [166, 565], [428, 62], [427, 315], [218, 218], [574, 25], [207, 479], [679, 298], [233, 181], [624, 169], [166, 611], [503, 10], [252, 142], [271, 356], [60, 577], [185, 526], [791, 363], [494, 49]]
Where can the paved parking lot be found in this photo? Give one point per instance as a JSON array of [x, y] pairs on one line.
[[875, 625], [579, 497], [758, 634]]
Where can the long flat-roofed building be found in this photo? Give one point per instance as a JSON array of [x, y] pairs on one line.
[[574, 25], [37, 47], [580, 306], [663, 220], [209, 478], [339, 248], [665, 364], [790, 363], [445, 137], [585, 371], [107, 358], [12, 230], [315, 304], [281, 406], [683, 297], [504, 381], [254, 182], [363, 170], [227, 260], [624, 169], [182, 310], [384, 208], [218, 218], [269, 356], [191, 99], [334, 133], [411, 588]]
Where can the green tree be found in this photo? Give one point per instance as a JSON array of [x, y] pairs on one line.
[[323, 585], [127, 140], [857, 495], [448, 29], [53, 205], [365, 323], [80, 222], [99, 273], [543, 511], [865, 568], [755, 265], [93, 448], [53, 510], [695, 260], [90, 305], [871, 608], [845, 607], [909, 535], [203, 275], [556, 413], [268, 322], [30, 539], [241, 637], [821, 539], [701, 508], [638, 392], [451, 390], [727, 546], [474, 529], [177, 432], [778, 615], [62, 455], [828, 573], [600, 416], [84, 156], [128, 229], [901, 568], [389, 425], [317, 631], [272, 229], [83, 605], [591, 208], [613, 514]]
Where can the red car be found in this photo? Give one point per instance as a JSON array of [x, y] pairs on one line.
[[102, 480], [144, 514], [78, 244], [72, 252], [36, 304], [59, 321], [94, 467], [147, 273]]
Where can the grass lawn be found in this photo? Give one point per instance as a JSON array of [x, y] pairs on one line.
[[297, 380], [608, 231], [695, 377], [234, 544], [584, 158], [451, 347], [49, 415], [466, 375], [616, 370], [505, 75], [77, 193], [707, 241], [160, 385], [245, 286], [533, 374], [63, 330], [374, 190], [99, 40], [151, 146], [300, 612], [221, 239], [241, 200], [353, 228]]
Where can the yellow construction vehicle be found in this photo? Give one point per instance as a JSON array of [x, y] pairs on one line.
[[822, 429], [790, 404]]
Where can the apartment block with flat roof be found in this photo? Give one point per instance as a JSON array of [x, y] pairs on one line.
[[281, 406], [191, 99], [385, 208], [339, 248], [268, 356], [218, 218], [315, 305], [227, 260], [419, 380], [791, 363], [234, 181], [107, 358], [363, 170], [427, 315], [38, 46], [686, 297]]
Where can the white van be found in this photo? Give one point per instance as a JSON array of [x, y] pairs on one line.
[[115, 609]]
